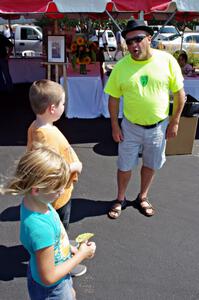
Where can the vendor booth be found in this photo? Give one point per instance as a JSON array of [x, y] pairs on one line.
[[86, 98]]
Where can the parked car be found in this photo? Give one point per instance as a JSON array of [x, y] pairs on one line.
[[27, 37], [164, 31], [190, 43], [97, 37]]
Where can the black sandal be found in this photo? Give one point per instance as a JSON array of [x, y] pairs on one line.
[[144, 206], [116, 208]]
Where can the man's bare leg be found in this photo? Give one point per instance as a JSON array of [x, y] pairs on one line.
[[123, 178], [122, 181], [147, 176]]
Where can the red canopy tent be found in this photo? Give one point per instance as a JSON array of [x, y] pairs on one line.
[[50, 7], [158, 9], [134, 6]]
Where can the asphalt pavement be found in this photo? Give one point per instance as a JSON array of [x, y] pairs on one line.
[[137, 258]]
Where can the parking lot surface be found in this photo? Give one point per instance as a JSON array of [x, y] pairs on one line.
[[137, 258]]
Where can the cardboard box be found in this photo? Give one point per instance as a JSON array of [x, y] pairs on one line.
[[183, 143]]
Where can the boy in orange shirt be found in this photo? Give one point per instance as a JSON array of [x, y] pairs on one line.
[[47, 99]]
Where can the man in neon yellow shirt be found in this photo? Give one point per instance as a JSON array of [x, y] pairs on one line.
[[145, 78]]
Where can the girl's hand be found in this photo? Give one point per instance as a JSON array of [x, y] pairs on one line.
[[88, 249], [73, 249]]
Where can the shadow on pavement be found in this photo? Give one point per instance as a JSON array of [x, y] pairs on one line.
[[79, 131], [13, 262], [83, 208], [11, 213], [16, 115], [109, 148]]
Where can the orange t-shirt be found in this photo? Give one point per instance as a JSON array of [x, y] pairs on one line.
[[51, 135]]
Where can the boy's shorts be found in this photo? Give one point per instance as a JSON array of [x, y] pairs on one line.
[[150, 142]]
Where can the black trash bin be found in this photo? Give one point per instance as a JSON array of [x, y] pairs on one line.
[[191, 108]]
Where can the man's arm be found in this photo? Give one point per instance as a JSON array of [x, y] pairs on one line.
[[9, 46], [114, 111], [9, 51], [178, 104]]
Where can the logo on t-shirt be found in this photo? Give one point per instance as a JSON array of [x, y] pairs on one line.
[[144, 80]]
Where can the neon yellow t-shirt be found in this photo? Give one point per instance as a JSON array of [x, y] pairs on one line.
[[145, 86]]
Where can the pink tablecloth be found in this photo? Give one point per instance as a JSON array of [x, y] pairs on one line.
[[92, 70], [26, 69]]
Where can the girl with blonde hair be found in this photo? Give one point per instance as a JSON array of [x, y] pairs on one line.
[[41, 176]]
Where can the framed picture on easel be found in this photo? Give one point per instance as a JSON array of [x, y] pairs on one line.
[[56, 48]]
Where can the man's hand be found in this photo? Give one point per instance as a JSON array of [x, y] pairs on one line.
[[117, 134], [178, 104], [114, 111], [172, 130]]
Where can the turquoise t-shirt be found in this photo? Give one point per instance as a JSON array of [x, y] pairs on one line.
[[145, 86], [38, 231]]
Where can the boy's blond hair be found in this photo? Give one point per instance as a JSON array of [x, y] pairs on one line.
[[44, 93], [42, 168]]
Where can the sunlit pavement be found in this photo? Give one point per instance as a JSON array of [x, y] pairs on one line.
[[137, 258]]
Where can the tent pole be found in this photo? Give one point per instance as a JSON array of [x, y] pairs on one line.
[[141, 15], [167, 21], [113, 20], [56, 27]]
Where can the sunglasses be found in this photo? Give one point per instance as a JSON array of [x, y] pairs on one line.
[[136, 39]]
